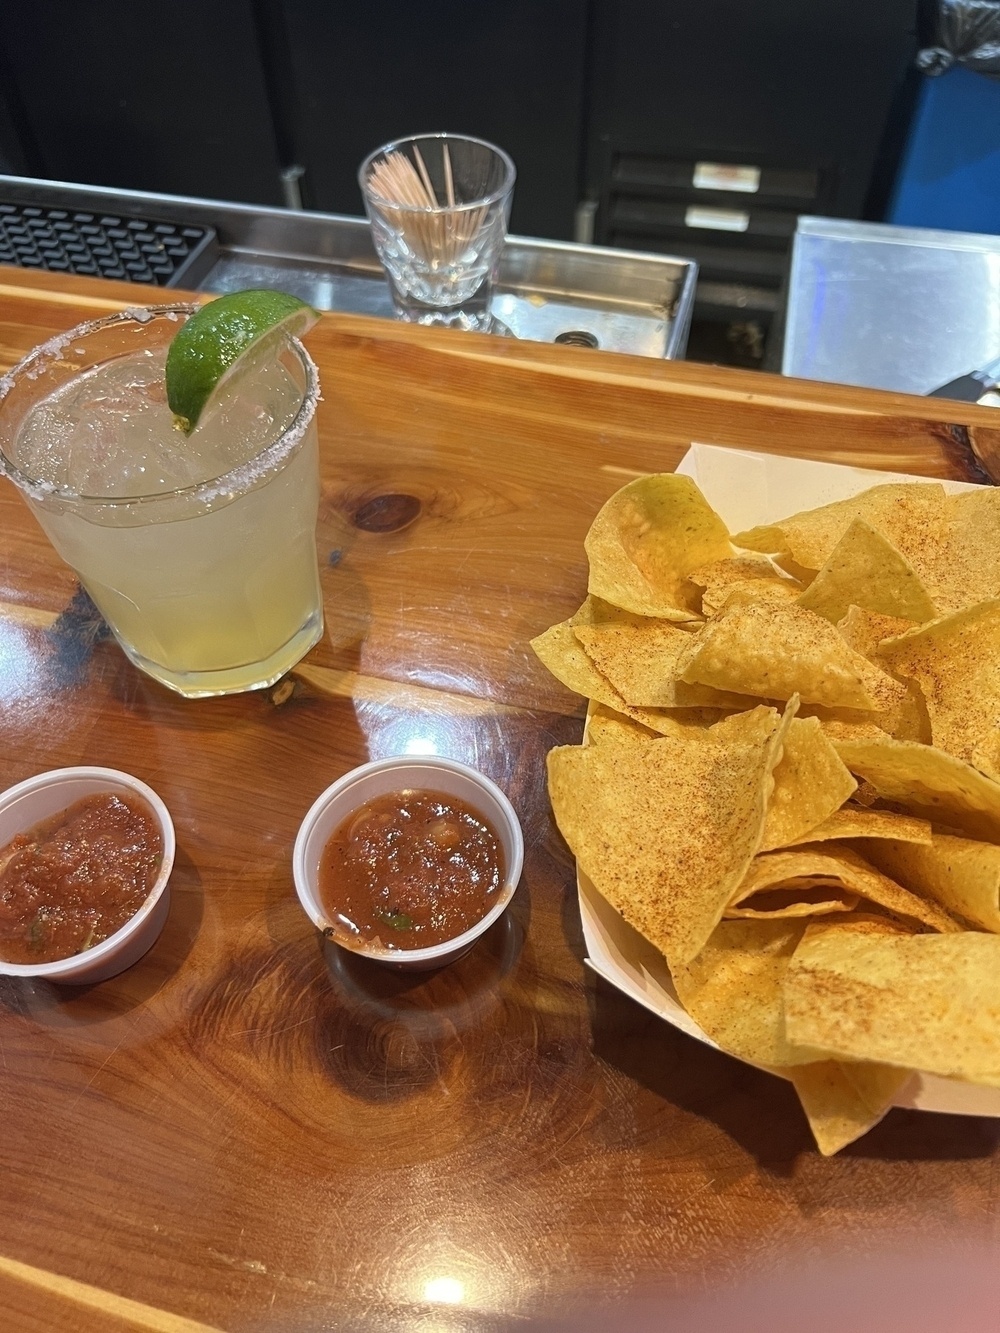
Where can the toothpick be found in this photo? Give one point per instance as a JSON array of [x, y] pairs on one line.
[[426, 179], [449, 180]]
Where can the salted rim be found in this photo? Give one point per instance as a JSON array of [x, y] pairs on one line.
[[240, 478], [510, 174]]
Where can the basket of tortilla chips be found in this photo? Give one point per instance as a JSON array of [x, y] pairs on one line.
[[790, 779]]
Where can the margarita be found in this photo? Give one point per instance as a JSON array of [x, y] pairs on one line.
[[199, 550]]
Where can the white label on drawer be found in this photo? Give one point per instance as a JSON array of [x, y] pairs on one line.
[[721, 176], [718, 219]]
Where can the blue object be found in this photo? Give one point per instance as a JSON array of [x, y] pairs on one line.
[[950, 173]]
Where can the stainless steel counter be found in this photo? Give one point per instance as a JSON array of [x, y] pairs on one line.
[[890, 307], [549, 291]]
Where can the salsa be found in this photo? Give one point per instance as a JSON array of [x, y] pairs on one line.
[[77, 877], [408, 870]]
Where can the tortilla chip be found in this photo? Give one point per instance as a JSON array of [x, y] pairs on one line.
[[732, 989], [969, 569], [843, 1101], [865, 630], [905, 721], [799, 898], [749, 572], [595, 611], [666, 831], [644, 664], [853, 822], [811, 781], [960, 874], [559, 650], [751, 851], [847, 727], [832, 863], [911, 516], [928, 783], [905, 718], [606, 724], [865, 570], [927, 1002], [757, 593], [956, 663], [774, 652], [646, 540]]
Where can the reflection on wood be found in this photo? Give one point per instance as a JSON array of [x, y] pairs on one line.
[[415, 698], [76, 1304]]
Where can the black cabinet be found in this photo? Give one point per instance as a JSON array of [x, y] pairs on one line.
[[169, 97], [801, 96], [216, 97]]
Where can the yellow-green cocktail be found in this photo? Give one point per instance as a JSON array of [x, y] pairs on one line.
[[199, 549]]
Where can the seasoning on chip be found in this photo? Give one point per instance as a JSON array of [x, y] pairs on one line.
[[645, 663], [865, 570], [811, 783], [927, 782], [956, 663], [959, 873], [560, 650], [969, 570], [904, 719], [833, 864], [748, 572], [857, 822], [777, 651], [912, 516], [605, 724], [866, 630], [647, 539], [667, 830], [732, 989], [926, 1002]]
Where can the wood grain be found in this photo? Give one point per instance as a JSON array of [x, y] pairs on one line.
[[249, 1130]]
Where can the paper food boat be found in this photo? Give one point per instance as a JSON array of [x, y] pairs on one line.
[[747, 489]]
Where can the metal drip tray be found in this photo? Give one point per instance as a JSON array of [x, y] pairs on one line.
[[549, 291]]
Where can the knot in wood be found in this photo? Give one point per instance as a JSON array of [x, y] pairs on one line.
[[387, 513]]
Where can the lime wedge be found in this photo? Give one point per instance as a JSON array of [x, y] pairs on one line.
[[210, 346]]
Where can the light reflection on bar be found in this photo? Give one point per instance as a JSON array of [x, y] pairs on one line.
[[19, 662], [444, 1291]]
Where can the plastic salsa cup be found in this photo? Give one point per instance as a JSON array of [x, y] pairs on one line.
[[27, 804], [425, 773]]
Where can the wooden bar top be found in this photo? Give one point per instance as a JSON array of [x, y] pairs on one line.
[[248, 1130]]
